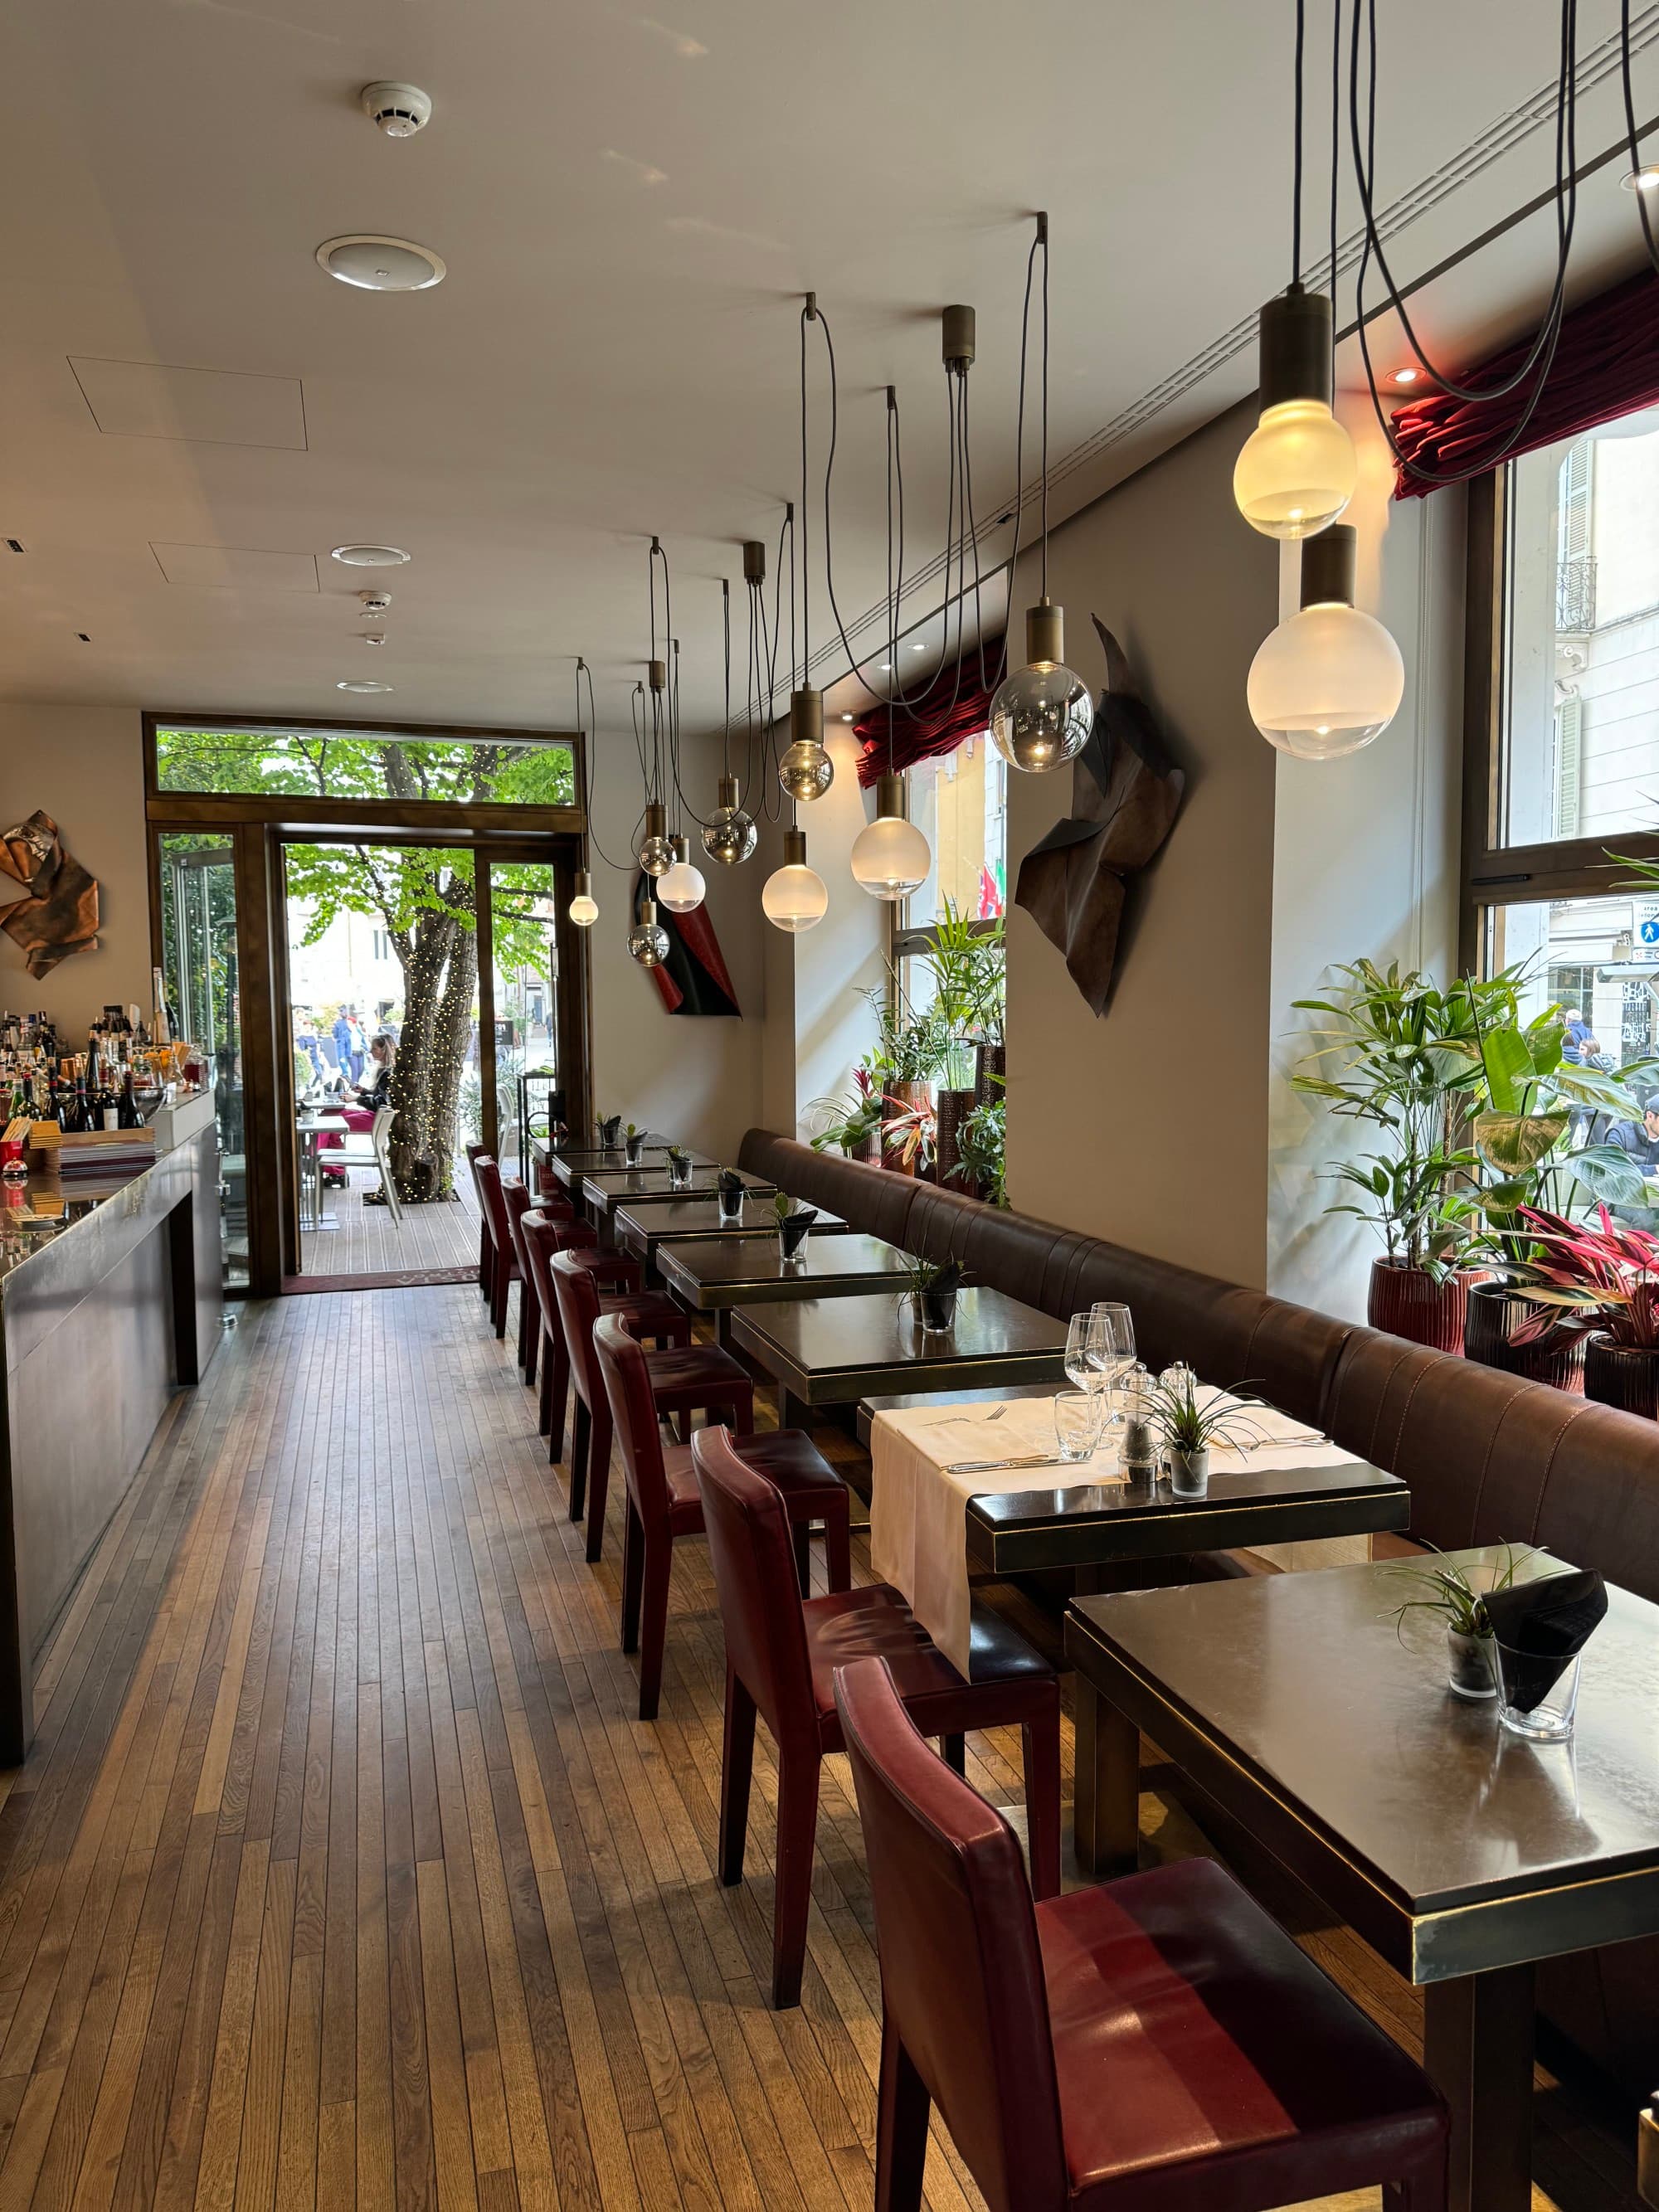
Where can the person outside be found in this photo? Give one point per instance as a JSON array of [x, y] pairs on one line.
[[341, 1034], [359, 1045]]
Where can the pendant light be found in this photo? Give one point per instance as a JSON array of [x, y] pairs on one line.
[[730, 836], [681, 888], [1330, 679], [795, 898], [891, 857], [656, 854], [1042, 716], [583, 908], [806, 770], [647, 941]]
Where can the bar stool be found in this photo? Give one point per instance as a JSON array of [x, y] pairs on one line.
[[645, 1313], [692, 1378], [780, 1655], [664, 1502], [1156, 2041]]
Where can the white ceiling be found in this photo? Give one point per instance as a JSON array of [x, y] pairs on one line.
[[630, 207]]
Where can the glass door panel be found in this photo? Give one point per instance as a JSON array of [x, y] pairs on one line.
[[524, 940], [201, 979]]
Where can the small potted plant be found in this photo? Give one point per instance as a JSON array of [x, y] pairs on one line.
[[679, 1167], [634, 1140], [1188, 1425], [933, 1293], [852, 1125], [1459, 1597], [982, 1166], [1601, 1283], [609, 1132], [794, 1221]]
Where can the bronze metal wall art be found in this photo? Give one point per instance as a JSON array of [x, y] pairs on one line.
[[59, 916]]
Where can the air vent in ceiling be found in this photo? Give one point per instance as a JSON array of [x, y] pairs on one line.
[[13, 545]]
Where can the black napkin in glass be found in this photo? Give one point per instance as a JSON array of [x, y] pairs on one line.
[[1549, 1622], [731, 1184], [792, 1232], [610, 1133]]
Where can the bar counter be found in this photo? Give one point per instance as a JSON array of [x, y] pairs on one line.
[[110, 1302]]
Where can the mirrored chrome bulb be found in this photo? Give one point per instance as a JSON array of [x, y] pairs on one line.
[[1042, 715], [731, 836], [647, 941]]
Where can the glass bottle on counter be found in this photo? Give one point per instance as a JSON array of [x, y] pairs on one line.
[[127, 1114]]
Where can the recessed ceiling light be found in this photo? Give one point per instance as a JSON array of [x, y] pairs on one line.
[[375, 263], [1645, 179], [1405, 376], [846, 718], [370, 557], [919, 648], [351, 683]]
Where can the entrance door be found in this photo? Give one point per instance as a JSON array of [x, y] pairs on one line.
[[423, 1011], [201, 975]]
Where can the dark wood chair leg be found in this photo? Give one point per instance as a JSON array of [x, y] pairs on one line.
[[743, 1415], [801, 1532], [792, 1895], [838, 1546], [736, 1765], [953, 1750], [1041, 1740], [1422, 2192], [544, 1389], [580, 1425], [558, 1392], [654, 1620], [528, 1332], [498, 1302], [632, 1578], [902, 2105], [598, 1477], [486, 1288]]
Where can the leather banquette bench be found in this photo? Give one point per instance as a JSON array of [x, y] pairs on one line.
[[1489, 1457]]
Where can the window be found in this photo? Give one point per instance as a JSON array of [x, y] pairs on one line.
[[313, 765], [960, 804]]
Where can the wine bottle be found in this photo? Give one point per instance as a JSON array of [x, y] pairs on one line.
[[127, 1114]]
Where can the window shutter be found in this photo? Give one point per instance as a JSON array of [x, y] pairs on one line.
[[1569, 768]]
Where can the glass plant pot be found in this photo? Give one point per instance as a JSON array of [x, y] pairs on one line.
[[792, 1239], [937, 1311], [679, 1175], [635, 1151], [1469, 1666], [731, 1210], [1189, 1473]]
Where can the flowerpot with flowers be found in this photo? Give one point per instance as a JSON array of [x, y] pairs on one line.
[[852, 1125], [1597, 1283]]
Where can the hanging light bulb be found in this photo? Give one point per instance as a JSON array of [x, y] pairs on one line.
[[890, 858], [584, 908], [731, 836], [806, 771], [681, 888], [647, 941], [1298, 469], [1042, 716], [656, 854], [1330, 679], [795, 898]]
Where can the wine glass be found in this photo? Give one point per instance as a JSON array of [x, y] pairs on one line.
[[1081, 1367], [1111, 1340]]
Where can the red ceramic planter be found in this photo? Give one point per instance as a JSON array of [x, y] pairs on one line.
[[1408, 1303]]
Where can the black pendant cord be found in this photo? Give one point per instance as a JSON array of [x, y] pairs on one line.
[[892, 597], [1542, 348], [806, 521], [1336, 150], [1541, 354], [591, 738], [1297, 139], [725, 670], [1045, 398], [1039, 241], [1632, 135]]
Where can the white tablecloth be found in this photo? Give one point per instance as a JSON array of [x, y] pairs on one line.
[[919, 1509]]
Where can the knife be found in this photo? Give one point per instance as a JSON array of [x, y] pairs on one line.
[[995, 1466]]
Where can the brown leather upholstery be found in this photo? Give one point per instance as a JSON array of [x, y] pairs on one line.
[[665, 1502], [1488, 1456], [781, 1657], [1143, 2046], [684, 1380]]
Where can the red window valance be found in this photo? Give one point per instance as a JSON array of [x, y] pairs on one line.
[[956, 706], [1607, 364]]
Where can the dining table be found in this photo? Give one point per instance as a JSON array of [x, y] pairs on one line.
[[605, 1191], [1320, 1722], [719, 1274], [568, 1163], [834, 1351], [642, 1231], [311, 1128]]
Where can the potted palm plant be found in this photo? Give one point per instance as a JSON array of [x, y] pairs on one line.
[[1599, 1282], [967, 963], [981, 1166], [910, 1050]]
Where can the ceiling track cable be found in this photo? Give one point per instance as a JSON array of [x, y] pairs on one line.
[[1540, 355], [589, 745]]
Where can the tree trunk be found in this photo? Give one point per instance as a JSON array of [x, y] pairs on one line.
[[426, 1081]]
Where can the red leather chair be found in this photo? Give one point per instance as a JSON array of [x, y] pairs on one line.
[[684, 1380], [643, 1313], [519, 1202], [503, 1259], [485, 1247], [780, 1656], [663, 1501], [1152, 2044]]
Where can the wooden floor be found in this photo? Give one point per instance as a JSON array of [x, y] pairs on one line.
[[366, 1241], [342, 1872]]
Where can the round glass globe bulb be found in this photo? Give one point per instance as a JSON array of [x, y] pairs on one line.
[[806, 771], [1326, 683], [795, 898], [731, 837], [584, 910], [681, 889], [649, 944], [1041, 717], [656, 856], [1297, 472], [890, 858]]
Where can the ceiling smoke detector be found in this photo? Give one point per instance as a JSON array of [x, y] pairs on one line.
[[369, 557], [396, 110], [374, 603], [371, 262]]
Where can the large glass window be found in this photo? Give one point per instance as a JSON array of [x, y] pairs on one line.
[[1579, 713], [1597, 958], [960, 804], [320, 763]]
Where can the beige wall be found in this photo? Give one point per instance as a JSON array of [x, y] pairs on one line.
[[84, 766], [1149, 1127]]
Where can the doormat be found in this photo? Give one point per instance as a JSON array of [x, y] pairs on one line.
[[411, 1279]]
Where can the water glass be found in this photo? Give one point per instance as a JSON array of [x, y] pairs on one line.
[[731, 1209], [1077, 1423], [1550, 1719]]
